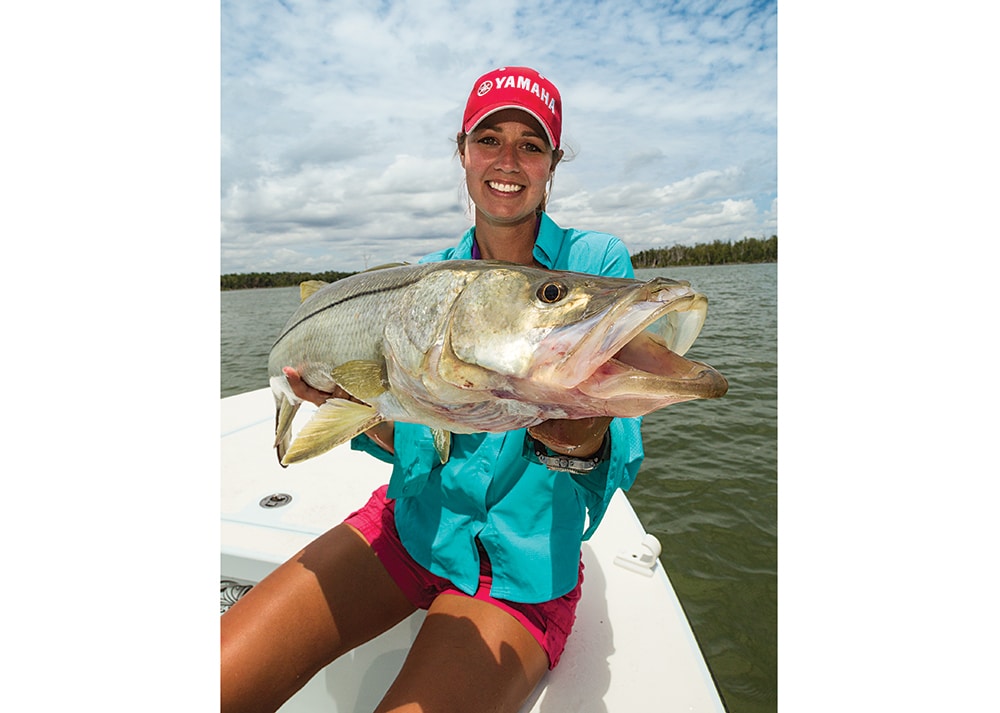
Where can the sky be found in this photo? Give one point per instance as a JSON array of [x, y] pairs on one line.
[[338, 122]]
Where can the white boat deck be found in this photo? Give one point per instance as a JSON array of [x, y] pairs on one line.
[[631, 649]]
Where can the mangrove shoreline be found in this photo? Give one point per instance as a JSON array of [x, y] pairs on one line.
[[741, 252]]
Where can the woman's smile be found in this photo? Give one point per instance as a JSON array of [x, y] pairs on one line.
[[504, 187]]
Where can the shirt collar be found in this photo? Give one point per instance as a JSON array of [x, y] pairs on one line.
[[463, 251], [547, 242]]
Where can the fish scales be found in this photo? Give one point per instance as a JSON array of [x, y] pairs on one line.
[[355, 311]]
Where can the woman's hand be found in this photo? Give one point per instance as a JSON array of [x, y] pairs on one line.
[[579, 438], [382, 433], [308, 393]]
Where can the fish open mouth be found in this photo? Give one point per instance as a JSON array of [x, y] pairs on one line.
[[637, 346]]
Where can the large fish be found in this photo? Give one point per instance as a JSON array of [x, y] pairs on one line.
[[465, 346]]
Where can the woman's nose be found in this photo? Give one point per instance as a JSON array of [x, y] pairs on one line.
[[507, 159]]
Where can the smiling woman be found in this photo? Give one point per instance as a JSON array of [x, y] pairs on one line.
[[507, 167], [509, 148], [498, 523]]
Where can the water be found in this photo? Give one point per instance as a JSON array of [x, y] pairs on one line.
[[708, 487], [251, 320]]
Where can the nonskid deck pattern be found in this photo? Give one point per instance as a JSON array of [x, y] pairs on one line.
[[230, 592]]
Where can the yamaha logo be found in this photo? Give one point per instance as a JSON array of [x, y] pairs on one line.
[[485, 87]]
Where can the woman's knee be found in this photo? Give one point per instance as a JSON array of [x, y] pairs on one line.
[[488, 659], [331, 597]]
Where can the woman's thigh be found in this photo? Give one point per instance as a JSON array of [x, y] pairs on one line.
[[332, 596], [469, 655]]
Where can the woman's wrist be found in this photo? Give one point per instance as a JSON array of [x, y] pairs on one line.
[[586, 449], [581, 438], [537, 452]]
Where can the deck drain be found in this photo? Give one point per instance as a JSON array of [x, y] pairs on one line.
[[276, 500]]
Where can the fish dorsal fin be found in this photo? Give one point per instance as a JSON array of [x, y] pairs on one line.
[[442, 443], [365, 380], [309, 287], [337, 421]]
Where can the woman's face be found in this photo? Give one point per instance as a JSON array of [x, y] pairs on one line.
[[507, 163]]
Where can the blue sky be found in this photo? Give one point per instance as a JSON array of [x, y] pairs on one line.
[[338, 120]]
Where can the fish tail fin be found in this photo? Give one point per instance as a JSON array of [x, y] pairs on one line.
[[285, 408], [337, 421]]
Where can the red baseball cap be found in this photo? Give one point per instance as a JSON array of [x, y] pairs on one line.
[[516, 88]]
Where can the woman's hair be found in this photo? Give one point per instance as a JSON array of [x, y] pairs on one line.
[[460, 148]]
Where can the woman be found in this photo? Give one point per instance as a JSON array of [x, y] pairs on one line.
[[488, 543]]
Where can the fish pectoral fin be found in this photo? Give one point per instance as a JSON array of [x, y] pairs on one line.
[[365, 380], [335, 422], [310, 287], [442, 443]]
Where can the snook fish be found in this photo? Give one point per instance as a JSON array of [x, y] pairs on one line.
[[466, 346]]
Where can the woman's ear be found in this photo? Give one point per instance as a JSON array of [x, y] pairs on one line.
[[460, 140], [556, 158]]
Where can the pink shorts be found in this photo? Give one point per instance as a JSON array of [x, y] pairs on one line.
[[549, 622]]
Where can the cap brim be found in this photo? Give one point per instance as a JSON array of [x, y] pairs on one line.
[[478, 117]]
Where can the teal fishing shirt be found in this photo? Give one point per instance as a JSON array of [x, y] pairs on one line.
[[530, 520]]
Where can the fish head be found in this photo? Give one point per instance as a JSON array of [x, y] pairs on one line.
[[571, 335], [501, 319]]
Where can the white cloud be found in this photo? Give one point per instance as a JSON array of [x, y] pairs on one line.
[[338, 122]]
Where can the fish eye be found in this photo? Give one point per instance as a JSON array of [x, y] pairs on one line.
[[551, 292]]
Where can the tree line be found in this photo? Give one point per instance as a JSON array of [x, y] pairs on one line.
[[747, 250], [245, 281]]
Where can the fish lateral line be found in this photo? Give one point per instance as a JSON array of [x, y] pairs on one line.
[[364, 293]]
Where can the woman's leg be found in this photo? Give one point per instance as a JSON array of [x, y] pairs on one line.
[[331, 597], [468, 656]]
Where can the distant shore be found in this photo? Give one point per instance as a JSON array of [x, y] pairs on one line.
[[747, 250], [742, 252]]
